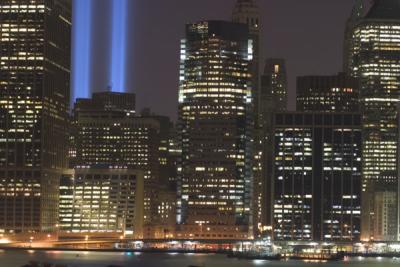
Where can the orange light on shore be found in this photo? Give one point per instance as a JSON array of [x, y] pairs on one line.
[[4, 241]]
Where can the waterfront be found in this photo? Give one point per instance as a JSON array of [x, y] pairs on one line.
[[103, 259]]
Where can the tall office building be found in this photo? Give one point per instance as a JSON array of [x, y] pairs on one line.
[[338, 93], [317, 176], [215, 104], [35, 44], [374, 59]]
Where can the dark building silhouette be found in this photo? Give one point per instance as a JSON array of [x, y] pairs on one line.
[[108, 101], [215, 100], [273, 98], [338, 93], [274, 86], [35, 57], [317, 176]]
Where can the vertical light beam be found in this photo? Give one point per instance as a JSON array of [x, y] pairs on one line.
[[81, 34], [118, 52]]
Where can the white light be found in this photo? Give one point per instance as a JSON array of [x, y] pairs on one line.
[[259, 262]]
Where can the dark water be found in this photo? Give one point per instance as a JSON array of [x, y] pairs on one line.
[[97, 259]]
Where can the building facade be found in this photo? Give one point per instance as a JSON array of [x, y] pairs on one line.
[[385, 224], [215, 103], [374, 51], [317, 176], [337, 93], [34, 97], [66, 201]]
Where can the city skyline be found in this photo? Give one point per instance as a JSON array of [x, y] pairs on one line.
[[146, 57], [255, 166]]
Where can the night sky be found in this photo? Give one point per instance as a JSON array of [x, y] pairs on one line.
[[307, 33]]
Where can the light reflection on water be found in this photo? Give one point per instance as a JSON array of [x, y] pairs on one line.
[[103, 259]]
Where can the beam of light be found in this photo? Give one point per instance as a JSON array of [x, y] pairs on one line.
[[81, 35], [118, 46]]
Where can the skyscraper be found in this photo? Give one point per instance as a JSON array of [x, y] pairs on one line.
[[34, 97], [215, 104], [374, 59], [336, 93]]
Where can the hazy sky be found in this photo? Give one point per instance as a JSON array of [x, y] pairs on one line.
[[307, 33]]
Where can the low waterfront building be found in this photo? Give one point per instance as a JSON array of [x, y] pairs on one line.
[[102, 201]]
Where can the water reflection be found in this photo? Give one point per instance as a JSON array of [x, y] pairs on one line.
[[97, 259]]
